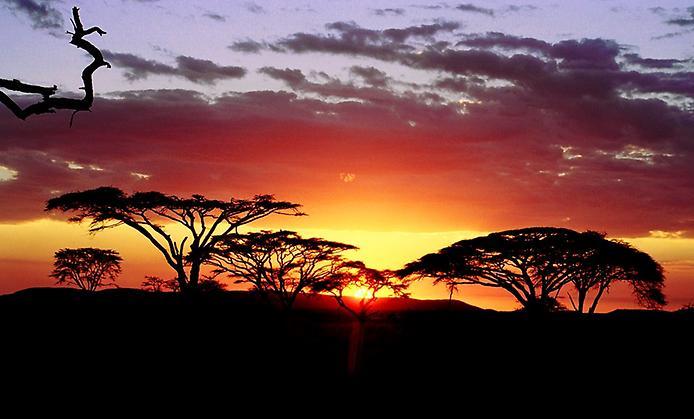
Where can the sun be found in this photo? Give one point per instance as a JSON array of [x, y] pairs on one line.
[[362, 292]]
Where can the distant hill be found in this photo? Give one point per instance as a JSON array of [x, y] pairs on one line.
[[135, 296]]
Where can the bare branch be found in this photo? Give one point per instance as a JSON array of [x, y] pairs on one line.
[[50, 103]]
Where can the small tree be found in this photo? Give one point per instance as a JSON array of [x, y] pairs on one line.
[[366, 283], [280, 264], [86, 268], [599, 263], [211, 285], [204, 222], [157, 284]]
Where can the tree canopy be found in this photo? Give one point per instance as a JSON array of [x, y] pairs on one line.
[[534, 264], [86, 268], [204, 222], [282, 263], [599, 263], [365, 282]]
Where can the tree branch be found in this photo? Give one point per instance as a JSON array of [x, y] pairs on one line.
[[49, 103]]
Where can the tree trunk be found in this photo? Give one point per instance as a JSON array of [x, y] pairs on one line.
[[594, 306], [356, 341], [581, 299], [194, 276]]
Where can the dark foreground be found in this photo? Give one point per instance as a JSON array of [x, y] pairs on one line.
[[158, 338]]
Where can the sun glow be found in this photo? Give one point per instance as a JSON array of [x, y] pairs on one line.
[[361, 293]]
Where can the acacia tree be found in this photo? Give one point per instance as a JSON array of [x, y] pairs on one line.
[[50, 103], [599, 263], [202, 222], [158, 284], [356, 276], [532, 264], [86, 268], [281, 264]]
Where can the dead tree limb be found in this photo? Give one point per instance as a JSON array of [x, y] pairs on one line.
[[50, 103]]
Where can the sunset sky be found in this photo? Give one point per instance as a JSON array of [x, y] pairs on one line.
[[401, 126]]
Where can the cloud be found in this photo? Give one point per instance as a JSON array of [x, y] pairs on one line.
[[215, 16], [653, 63], [193, 69], [516, 8], [254, 8], [248, 46], [370, 75], [292, 77], [683, 21], [389, 12], [504, 41], [41, 13], [538, 133], [352, 39], [505, 151], [468, 7], [347, 177], [671, 35]]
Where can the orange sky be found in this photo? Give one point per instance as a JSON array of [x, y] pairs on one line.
[[26, 251]]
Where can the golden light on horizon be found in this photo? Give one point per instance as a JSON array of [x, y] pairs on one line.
[[27, 261]]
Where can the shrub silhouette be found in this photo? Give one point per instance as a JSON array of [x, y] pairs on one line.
[[86, 268]]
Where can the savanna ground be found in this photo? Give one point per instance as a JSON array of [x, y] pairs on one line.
[[125, 333]]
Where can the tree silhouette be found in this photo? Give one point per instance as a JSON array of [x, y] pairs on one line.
[[211, 285], [532, 264], [86, 268], [50, 103], [157, 284], [204, 222], [368, 282], [280, 264], [599, 263]]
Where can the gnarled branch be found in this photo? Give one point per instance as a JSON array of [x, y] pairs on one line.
[[49, 103]]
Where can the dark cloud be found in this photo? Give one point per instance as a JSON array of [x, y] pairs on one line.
[[683, 21], [254, 8], [636, 59], [431, 6], [215, 16], [248, 46], [671, 35], [193, 69], [371, 75], [292, 77], [585, 68], [41, 13], [355, 40], [389, 12], [515, 8], [504, 41], [468, 7], [586, 54]]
